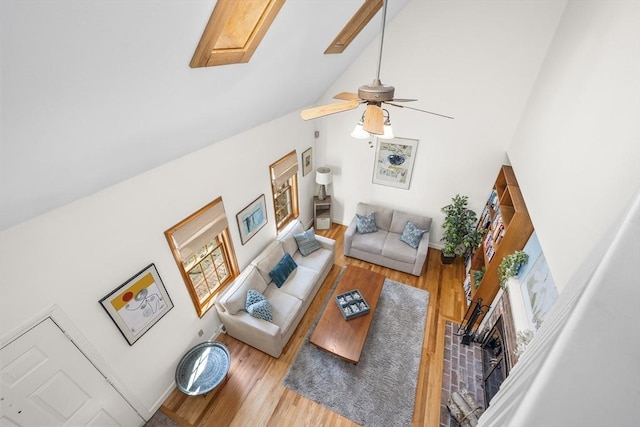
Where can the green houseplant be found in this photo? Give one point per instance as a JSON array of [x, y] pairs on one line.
[[460, 235], [510, 265]]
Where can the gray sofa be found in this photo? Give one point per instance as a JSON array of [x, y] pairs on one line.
[[384, 246], [288, 302]]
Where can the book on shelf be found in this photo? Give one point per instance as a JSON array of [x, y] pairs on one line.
[[467, 288], [493, 199], [490, 252]]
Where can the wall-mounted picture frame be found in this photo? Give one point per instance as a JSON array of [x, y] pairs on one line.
[[252, 218], [394, 162], [138, 304], [307, 161]]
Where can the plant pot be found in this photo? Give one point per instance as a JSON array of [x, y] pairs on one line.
[[446, 259]]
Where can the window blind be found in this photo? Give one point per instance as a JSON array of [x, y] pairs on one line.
[[200, 229], [284, 169]]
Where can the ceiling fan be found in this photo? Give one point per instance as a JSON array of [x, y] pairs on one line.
[[374, 95]]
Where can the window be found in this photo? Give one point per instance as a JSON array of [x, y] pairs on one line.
[[202, 247], [234, 31], [284, 184]]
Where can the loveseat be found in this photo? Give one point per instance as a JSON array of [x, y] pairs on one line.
[[285, 304], [396, 239]]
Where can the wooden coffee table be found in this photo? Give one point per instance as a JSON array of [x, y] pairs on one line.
[[345, 338]]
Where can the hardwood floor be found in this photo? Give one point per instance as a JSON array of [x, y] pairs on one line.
[[254, 394]]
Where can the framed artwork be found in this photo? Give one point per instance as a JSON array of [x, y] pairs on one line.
[[307, 161], [394, 162], [252, 218], [138, 304]]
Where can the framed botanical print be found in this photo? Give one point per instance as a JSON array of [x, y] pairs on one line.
[[307, 161]]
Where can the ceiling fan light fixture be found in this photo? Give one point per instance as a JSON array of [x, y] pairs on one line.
[[359, 132], [388, 132]]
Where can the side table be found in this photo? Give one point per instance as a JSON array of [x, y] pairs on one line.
[[203, 368], [322, 213]]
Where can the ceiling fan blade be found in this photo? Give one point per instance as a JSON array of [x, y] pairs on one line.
[[374, 120], [325, 110], [403, 100], [347, 96], [417, 109]]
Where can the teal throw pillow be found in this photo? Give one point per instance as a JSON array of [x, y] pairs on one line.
[[411, 235], [307, 242], [283, 269], [258, 306], [366, 223]]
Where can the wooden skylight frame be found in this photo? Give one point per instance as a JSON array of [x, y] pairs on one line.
[[234, 31], [359, 20]]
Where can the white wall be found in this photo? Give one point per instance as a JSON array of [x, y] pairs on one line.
[[577, 149], [75, 255], [476, 61], [577, 155]]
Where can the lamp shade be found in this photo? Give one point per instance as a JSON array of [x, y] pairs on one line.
[[323, 176]]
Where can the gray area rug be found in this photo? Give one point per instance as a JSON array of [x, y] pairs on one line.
[[380, 389]]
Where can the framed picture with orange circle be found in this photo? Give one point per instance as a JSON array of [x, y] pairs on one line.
[[138, 304]]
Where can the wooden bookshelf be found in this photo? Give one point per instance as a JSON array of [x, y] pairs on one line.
[[508, 227]]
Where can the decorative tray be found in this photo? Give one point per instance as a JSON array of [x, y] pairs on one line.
[[352, 304], [203, 368]]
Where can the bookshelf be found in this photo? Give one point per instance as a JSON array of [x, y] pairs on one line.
[[507, 226]]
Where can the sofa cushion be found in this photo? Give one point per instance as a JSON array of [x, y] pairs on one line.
[[317, 260], [307, 242], [300, 283], [258, 306], [400, 220], [286, 236], [383, 214], [370, 242], [283, 269], [285, 307], [397, 250], [411, 235], [236, 298], [268, 259], [366, 223]]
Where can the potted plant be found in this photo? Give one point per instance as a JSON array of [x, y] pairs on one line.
[[478, 275], [510, 265], [460, 235]]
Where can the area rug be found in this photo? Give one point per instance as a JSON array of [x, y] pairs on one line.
[[380, 389]]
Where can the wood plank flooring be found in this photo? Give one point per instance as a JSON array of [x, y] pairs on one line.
[[254, 394]]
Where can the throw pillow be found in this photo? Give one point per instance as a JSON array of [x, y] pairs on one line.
[[307, 242], [366, 223], [283, 269], [411, 235], [258, 306]]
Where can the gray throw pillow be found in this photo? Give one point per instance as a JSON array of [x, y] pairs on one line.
[[307, 242], [411, 235], [366, 223]]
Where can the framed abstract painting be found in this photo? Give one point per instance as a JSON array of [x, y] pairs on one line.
[[394, 162], [138, 304], [252, 218]]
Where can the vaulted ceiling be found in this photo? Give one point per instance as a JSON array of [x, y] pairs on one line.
[[96, 92]]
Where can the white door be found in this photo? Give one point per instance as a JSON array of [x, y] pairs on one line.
[[46, 381]]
